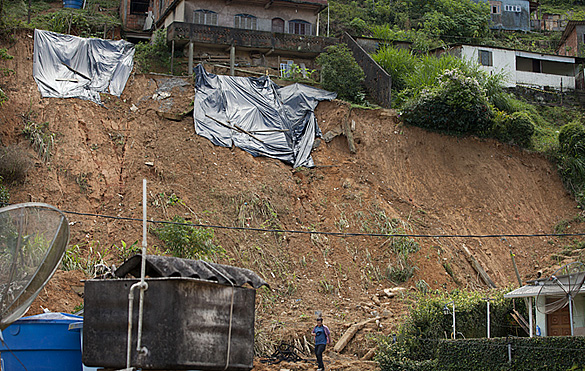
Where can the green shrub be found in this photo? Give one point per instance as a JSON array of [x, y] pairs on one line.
[[153, 56], [341, 73], [185, 241], [4, 194], [457, 104], [3, 97], [516, 128], [572, 140], [571, 159], [41, 138]]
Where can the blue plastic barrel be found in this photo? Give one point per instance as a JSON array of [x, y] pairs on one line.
[[74, 4], [42, 342]]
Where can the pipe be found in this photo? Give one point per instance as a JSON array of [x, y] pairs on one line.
[[530, 320], [454, 332], [143, 284]]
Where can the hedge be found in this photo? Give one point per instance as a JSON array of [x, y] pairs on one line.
[[528, 354]]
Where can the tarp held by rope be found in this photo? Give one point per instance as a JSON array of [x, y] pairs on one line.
[[66, 66], [258, 116]]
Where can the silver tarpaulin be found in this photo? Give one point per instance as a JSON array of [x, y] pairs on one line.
[[258, 116], [66, 66]]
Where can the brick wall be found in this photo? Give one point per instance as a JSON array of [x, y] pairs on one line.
[[569, 47]]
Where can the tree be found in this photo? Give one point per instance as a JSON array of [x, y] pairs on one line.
[[341, 73]]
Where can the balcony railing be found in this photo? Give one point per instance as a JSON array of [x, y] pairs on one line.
[[216, 35]]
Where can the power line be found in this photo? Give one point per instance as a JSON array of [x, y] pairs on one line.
[[335, 234]]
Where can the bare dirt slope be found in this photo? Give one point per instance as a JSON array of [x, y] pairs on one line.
[[417, 181]]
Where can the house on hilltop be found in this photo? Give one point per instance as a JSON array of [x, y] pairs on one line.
[[520, 68], [572, 41], [254, 31], [512, 15]]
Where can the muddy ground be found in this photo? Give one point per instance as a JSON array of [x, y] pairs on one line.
[[400, 179]]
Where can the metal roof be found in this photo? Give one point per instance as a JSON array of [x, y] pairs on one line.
[[548, 287], [169, 266]]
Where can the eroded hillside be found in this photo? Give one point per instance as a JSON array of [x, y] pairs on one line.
[[400, 179]]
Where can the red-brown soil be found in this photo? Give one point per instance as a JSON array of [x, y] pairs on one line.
[[426, 182]]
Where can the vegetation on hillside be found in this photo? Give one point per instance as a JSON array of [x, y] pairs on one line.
[[97, 19], [341, 73], [414, 346]]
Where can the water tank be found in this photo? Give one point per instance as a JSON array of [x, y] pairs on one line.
[[188, 324], [42, 342]]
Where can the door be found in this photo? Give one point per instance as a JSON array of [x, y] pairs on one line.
[[558, 323]]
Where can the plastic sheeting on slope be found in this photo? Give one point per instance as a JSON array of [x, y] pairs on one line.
[[66, 66], [258, 116]]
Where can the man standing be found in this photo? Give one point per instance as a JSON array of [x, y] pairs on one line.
[[322, 338]]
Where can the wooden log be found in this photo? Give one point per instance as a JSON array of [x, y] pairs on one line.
[[369, 355], [478, 268], [173, 116], [348, 133], [350, 333]]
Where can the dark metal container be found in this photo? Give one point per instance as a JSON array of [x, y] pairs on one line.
[[186, 325]]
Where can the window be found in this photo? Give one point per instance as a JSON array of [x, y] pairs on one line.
[[278, 25], [513, 8], [299, 27], [139, 6], [203, 16], [496, 7], [485, 58], [247, 21]]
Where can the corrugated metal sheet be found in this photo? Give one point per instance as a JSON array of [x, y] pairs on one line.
[[170, 266], [548, 287]]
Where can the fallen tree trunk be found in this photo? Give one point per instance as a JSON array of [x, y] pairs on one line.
[[350, 333], [478, 268]]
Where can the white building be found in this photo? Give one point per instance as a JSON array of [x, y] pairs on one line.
[[551, 311], [520, 68]]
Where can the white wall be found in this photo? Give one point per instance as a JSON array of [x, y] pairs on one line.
[[545, 79], [540, 317], [505, 61]]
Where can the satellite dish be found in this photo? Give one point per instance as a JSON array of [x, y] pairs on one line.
[[560, 288], [33, 238]]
